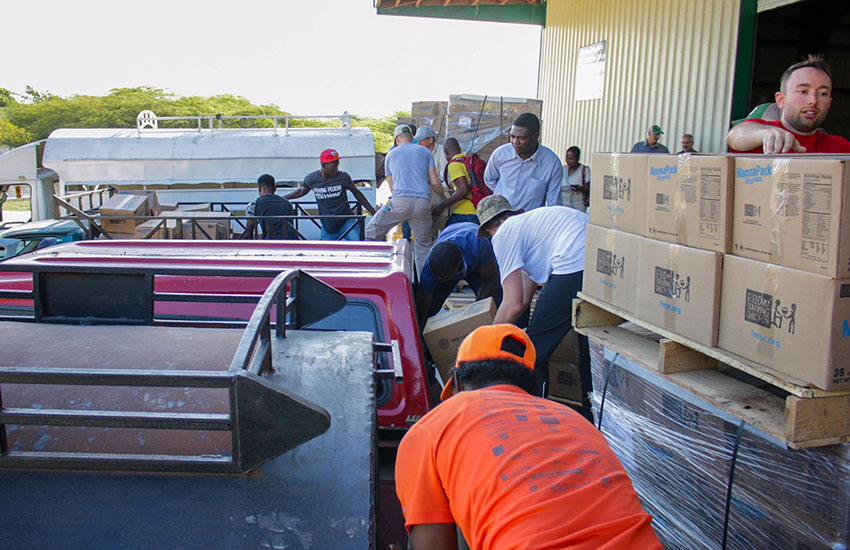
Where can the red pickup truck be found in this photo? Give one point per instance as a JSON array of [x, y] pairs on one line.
[[375, 280], [374, 276]]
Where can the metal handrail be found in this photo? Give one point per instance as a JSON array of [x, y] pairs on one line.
[[212, 119], [243, 382]]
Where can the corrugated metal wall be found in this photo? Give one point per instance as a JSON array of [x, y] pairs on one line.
[[668, 62]]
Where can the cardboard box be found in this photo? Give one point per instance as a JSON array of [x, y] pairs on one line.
[[618, 191], [482, 123], [792, 321], [165, 231], [431, 113], [611, 267], [215, 224], [690, 200], [123, 205], [443, 333], [793, 211], [679, 289], [202, 207], [154, 208], [564, 376], [167, 206]]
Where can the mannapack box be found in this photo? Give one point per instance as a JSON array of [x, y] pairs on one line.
[[618, 191], [793, 211], [792, 321], [444, 332], [690, 200], [678, 289], [611, 267]]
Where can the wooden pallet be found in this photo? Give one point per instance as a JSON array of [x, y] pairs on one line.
[[807, 417]]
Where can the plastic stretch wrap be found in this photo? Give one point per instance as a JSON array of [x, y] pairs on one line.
[[482, 123], [678, 448]]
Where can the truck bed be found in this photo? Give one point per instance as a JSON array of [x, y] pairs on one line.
[[318, 495]]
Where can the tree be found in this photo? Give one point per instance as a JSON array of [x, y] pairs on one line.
[[42, 112], [11, 135], [6, 97]]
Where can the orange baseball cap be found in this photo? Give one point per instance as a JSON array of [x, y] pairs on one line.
[[501, 342]]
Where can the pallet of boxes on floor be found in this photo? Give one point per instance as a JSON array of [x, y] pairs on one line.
[[716, 301]]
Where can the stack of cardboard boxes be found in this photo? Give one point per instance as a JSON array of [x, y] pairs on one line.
[[750, 254], [659, 228], [669, 232], [123, 217]]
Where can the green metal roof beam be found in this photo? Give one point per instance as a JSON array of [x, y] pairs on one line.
[[744, 59], [528, 14]]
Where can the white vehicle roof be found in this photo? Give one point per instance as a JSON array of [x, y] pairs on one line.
[[192, 156]]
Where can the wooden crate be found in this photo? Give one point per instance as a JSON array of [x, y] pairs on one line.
[[806, 417]]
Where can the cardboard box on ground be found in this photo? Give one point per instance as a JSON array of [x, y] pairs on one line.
[[444, 332], [564, 377]]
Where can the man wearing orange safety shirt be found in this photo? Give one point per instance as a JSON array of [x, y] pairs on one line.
[[509, 469]]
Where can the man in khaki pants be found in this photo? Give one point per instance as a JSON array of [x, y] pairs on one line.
[[411, 175]]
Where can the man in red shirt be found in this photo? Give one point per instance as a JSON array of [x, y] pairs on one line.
[[509, 469], [804, 98]]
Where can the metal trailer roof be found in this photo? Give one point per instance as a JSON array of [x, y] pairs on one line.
[[192, 156]]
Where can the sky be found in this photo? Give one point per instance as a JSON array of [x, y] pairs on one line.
[[308, 57]]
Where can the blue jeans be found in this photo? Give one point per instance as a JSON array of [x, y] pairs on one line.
[[353, 235]]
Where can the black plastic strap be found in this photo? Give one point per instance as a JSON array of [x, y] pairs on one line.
[[729, 486], [611, 366]]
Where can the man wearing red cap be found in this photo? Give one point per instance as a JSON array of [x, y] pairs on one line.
[[329, 186], [509, 469]]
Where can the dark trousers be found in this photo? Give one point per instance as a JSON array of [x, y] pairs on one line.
[[550, 323]]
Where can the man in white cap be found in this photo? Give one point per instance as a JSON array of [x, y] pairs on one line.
[[511, 470], [427, 138], [411, 175]]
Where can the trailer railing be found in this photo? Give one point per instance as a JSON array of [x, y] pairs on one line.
[[258, 409], [148, 120]]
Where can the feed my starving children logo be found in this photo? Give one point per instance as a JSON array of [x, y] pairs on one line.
[[608, 263], [614, 188], [756, 174], [763, 310], [672, 284]]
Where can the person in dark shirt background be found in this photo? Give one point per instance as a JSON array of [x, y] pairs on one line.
[[269, 204], [330, 187]]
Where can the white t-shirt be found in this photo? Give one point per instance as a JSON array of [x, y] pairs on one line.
[[542, 242]]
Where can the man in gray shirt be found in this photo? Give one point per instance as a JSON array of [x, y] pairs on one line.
[[651, 145], [411, 175], [526, 173]]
